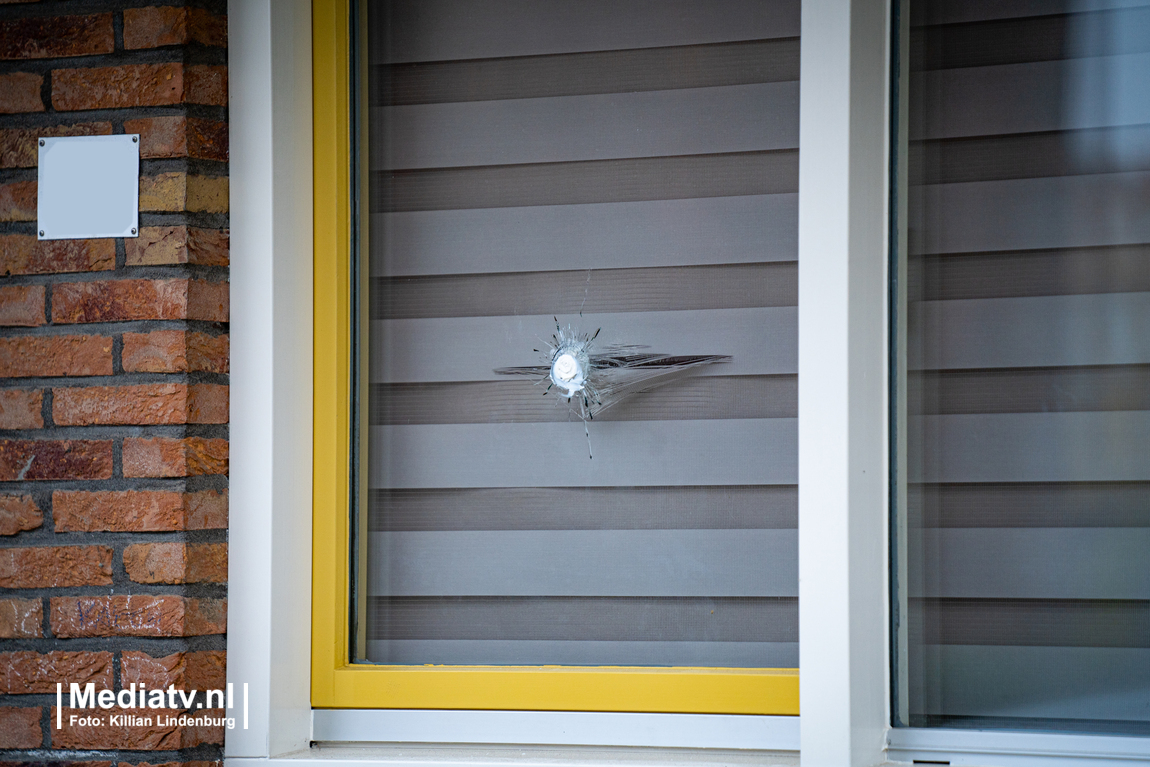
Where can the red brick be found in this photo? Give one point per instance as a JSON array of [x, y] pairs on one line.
[[207, 28], [178, 245], [208, 301], [112, 301], [18, 201], [161, 351], [207, 403], [206, 510], [145, 404], [138, 510], [124, 735], [208, 353], [179, 136], [51, 356], [207, 85], [171, 562], [50, 37], [27, 673], [121, 615], [22, 305], [208, 247], [21, 618], [18, 145], [183, 670], [157, 27], [20, 727], [207, 139], [48, 567], [29, 459], [160, 136], [24, 254], [169, 457], [129, 85], [20, 92], [19, 513], [20, 409]]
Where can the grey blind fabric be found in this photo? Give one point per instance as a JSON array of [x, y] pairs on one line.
[[1029, 366], [625, 165]]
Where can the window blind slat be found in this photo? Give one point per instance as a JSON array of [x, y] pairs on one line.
[[656, 233]]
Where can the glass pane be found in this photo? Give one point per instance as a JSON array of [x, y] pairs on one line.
[[628, 173], [1027, 572]]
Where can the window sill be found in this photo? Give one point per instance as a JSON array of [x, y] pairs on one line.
[[1014, 749], [541, 728], [425, 754]]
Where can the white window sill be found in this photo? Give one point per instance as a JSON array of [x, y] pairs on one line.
[[412, 755], [1014, 749]]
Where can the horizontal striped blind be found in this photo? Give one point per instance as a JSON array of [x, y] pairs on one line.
[[625, 165], [1029, 366]]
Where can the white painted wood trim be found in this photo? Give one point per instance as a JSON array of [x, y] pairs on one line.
[[843, 186], [269, 603], [569, 728]]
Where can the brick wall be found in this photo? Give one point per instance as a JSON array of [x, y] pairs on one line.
[[114, 380]]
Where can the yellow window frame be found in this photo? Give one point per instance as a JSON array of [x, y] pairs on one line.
[[338, 683]]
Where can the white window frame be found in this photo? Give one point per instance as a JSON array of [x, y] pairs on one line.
[[843, 440]]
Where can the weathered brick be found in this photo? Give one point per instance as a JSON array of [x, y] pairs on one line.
[[208, 353], [164, 192], [207, 403], [47, 567], [19, 513], [161, 351], [182, 670], [158, 27], [208, 301], [160, 136], [169, 457], [27, 673], [128, 85], [18, 145], [171, 562], [205, 510], [122, 615], [20, 92], [208, 194], [157, 245], [20, 727], [30, 459], [24, 254], [207, 85], [207, 139], [176, 191], [50, 356], [119, 300], [138, 510], [208, 247], [177, 245], [143, 404], [128, 735], [22, 305], [179, 136], [207, 28], [155, 27], [18, 201], [50, 37], [21, 618], [20, 409]]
